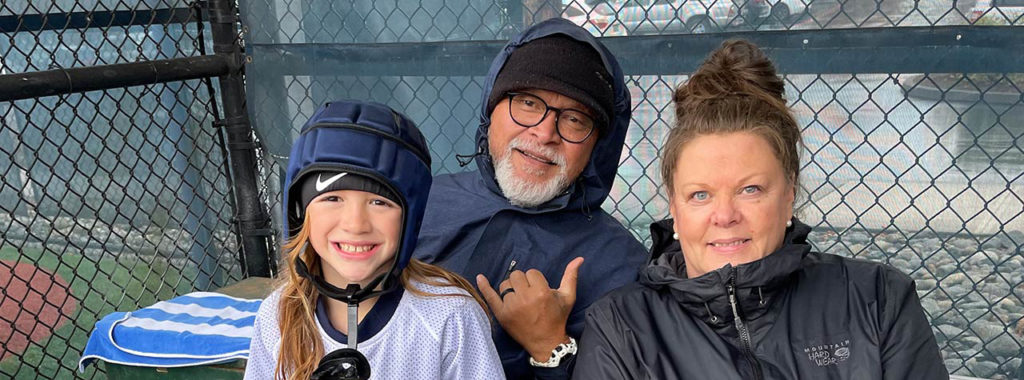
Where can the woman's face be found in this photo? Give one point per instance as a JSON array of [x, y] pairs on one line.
[[355, 233], [731, 200]]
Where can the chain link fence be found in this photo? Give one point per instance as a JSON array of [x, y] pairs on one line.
[[915, 161], [114, 197]]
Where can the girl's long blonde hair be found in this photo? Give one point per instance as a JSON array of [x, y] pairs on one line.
[[301, 347]]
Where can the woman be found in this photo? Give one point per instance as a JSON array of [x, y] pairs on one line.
[[356, 187], [733, 290]]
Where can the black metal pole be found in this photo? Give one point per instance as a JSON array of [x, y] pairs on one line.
[[81, 79], [253, 220]]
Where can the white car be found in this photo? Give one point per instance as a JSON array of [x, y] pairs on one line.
[[1005, 11], [783, 10], [598, 19], [688, 16]]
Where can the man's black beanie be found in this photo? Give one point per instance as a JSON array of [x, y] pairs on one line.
[[561, 64]]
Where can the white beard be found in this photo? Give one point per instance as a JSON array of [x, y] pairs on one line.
[[521, 192]]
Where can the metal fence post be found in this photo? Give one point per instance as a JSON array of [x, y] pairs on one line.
[[252, 218]]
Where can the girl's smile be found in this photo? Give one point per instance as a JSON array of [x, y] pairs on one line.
[[355, 251]]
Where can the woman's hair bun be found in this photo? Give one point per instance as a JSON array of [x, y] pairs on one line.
[[738, 67], [735, 90]]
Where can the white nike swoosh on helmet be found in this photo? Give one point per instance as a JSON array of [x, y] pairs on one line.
[[321, 185]]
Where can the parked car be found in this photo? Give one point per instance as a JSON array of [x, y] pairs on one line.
[[687, 16], [753, 11], [784, 10], [653, 16], [1004, 11], [599, 19]]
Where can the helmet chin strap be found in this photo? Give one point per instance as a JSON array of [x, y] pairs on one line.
[[347, 363], [352, 294]]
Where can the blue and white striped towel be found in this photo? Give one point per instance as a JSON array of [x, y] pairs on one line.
[[194, 329]]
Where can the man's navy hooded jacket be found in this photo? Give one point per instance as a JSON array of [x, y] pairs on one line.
[[471, 228]]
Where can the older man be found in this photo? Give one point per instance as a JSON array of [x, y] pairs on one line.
[[551, 131]]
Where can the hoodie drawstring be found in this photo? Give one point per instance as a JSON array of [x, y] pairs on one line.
[[465, 159], [586, 206], [714, 318], [761, 296]]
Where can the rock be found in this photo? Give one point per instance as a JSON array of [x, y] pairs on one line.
[[1010, 266], [983, 369], [925, 284], [944, 304], [972, 305], [945, 269], [955, 365], [1011, 366], [966, 344], [956, 291], [901, 264], [1016, 237], [929, 304], [949, 331], [954, 279], [1009, 303], [884, 245], [974, 314], [1003, 345], [979, 265], [998, 242], [987, 331], [63, 224], [974, 297], [972, 341], [994, 291], [855, 248], [963, 243], [858, 236]]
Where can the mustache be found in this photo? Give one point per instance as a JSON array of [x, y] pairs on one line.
[[532, 146]]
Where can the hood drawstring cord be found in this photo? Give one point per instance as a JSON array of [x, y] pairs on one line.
[[586, 206], [761, 296], [465, 159], [714, 318]]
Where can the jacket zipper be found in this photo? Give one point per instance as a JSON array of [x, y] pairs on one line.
[[742, 328]]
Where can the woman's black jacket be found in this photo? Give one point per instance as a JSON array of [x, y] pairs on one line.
[[794, 314]]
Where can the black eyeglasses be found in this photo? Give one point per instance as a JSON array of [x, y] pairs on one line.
[[529, 110]]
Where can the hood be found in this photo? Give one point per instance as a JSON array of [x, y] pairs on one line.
[[372, 140], [595, 182]]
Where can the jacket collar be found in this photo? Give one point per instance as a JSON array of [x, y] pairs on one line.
[[757, 283]]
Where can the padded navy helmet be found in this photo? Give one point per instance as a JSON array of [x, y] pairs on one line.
[[373, 141]]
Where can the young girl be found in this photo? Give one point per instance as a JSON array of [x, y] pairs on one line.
[[355, 190]]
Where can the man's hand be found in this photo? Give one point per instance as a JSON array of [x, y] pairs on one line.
[[534, 314]]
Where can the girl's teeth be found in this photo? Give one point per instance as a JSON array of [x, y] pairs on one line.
[[355, 248]]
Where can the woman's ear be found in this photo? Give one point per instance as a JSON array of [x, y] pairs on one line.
[[674, 213]]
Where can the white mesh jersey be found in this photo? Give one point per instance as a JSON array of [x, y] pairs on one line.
[[443, 337]]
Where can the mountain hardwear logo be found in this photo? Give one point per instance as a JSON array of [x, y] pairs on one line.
[[321, 185], [828, 354]]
